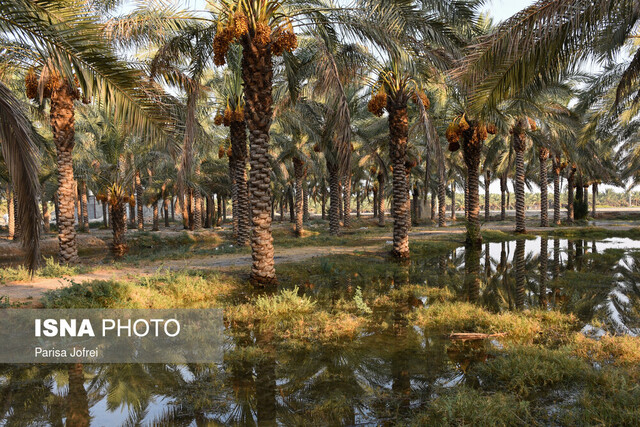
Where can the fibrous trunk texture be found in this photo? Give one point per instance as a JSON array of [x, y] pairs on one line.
[[334, 199], [453, 201], [557, 168], [166, 212], [519, 147], [399, 131], [487, 182], [105, 216], [305, 202], [119, 228], [380, 200], [298, 172], [570, 189], [11, 213], [83, 204], [45, 216], [358, 204], [472, 149], [139, 202], [594, 195], [197, 202], [257, 74], [346, 194], [442, 203], [503, 197], [62, 124], [543, 155], [156, 221]]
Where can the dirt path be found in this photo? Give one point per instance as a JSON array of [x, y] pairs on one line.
[[21, 291]]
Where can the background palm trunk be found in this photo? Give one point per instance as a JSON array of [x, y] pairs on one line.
[[334, 199], [257, 74], [298, 172], [503, 197], [375, 202], [305, 203], [62, 123], [156, 221], [570, 189], [358, 204], [380, 200], [487, 182], [453, 201], [557, 168], [442, 203], [11, 213], [323, 201], [105, 217], [197, 201], [119, 227], [594, 195], [543, 155], [399, 131], [83, 205], [346, 201], [166, 212], [519, 147], [45, 216]]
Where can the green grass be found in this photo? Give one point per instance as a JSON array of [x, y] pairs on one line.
[[50, 269]]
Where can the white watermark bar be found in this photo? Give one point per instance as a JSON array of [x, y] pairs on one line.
[[111, 336]]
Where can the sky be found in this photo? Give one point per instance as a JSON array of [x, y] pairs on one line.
[[503, 9]]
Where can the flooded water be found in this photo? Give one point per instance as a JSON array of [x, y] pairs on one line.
[[382, 376]]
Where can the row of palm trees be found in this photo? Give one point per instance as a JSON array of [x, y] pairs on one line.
[[294, 78]]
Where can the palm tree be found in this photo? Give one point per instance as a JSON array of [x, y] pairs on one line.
[[69, 50]]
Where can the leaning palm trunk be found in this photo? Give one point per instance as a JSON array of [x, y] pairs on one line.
[[519, 143], [298, 172], [543, 155], [257, 73], [62, 124], [334, 199], [139, 201], [399, 130], [557, 168], [380, 200], [346, 200], [238, 133]]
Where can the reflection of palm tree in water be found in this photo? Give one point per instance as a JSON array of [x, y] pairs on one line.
[[400, 358], [543, 271], [77, 400], [520, 273], [472, 270]]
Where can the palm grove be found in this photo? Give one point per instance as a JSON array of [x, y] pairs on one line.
[[277, 104]]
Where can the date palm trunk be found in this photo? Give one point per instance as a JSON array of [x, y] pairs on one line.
[[166, 211], [139, 201], [11, 212], [487, 182], [346, 200], [519, 144], [594, 195], [257, 74], [503, 197], [472, 149], [453, 201], [375, 202], [334, 199], [63, 126], [543, 155], [557, 168], [45, 216], [381, 181], [442, 203], [570, 194], [298, 172], [156, 220], [358, 204], [399, 132], [84, 206], [197, 202], [305, 203], [323, 200], [119, 227]]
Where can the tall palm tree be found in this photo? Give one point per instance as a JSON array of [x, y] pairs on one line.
[[69, 50]]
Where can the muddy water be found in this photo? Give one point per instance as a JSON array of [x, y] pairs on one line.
[[382, 377]]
